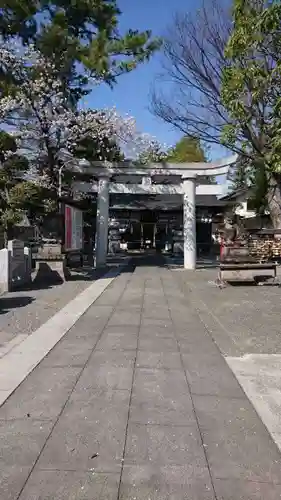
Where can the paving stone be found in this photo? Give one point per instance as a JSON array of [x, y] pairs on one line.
[[164, 445], [42, 395], [121, 317], [98, 398], [112, 359], [70, 352], [161, 397], [193, 333], [93, 321], [154, 309], [12, 480], [129, 329], [233, 453], [109, 298], [160, 361], [157, 331], [150, 322], [114, 377], [131, 303], [211, 375], [246, 490], [197, 345], [113, 293], [216, 413], [97, 312], [86, 429], [182, 312], [156, 298], [189, 482], [155, 312], [112, 341], [21, 441], [164, 456], [157, 344], [71, 485], [85, 329]]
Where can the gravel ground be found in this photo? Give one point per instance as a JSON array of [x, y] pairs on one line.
[[22, 312], [242, 319]]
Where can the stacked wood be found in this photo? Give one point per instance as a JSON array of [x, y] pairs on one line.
[[276, 248], [265, 249]]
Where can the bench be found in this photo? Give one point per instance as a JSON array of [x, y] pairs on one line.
[[247, 272]]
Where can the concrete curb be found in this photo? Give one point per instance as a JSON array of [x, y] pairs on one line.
[[259, 376], [23, 357]]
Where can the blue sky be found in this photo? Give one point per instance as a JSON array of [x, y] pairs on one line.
[[131, 94]]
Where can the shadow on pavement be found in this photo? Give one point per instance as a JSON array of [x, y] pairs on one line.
[[145, 260], [89, 274], [8, 303]]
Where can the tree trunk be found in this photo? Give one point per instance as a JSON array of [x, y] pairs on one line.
[[274, 199], [8, 234], [6, 238]]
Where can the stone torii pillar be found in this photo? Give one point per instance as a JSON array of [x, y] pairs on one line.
[[189, 222], [102, 220], [197, 170]]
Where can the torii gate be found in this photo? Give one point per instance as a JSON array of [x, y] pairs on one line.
[[128, 178]]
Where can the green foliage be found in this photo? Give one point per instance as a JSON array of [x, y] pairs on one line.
[[7, 143], [17, 195], [240, 176], [251, 95], [80, 31], [251, 82], [187, 149]]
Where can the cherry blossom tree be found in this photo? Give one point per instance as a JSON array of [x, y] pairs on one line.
[[52, 134], [151, 151]]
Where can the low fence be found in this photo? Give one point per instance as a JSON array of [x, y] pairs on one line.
[[15, 266]]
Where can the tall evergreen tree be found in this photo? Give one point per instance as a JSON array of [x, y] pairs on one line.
[[80, 37], [189, 150]]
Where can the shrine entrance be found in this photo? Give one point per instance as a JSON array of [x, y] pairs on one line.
[[148, 229], [160, 180]]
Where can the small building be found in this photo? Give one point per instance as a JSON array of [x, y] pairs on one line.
[[240, 203]]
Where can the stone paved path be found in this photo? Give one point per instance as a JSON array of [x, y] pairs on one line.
[[136, 402]]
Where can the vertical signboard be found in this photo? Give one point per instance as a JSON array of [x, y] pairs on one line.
[[68, 228], [73, 228]]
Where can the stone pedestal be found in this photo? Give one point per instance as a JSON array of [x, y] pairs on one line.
[[50, 264], [49, 251], [51, 271]]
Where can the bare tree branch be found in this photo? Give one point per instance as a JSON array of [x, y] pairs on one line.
[[193, 64]]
